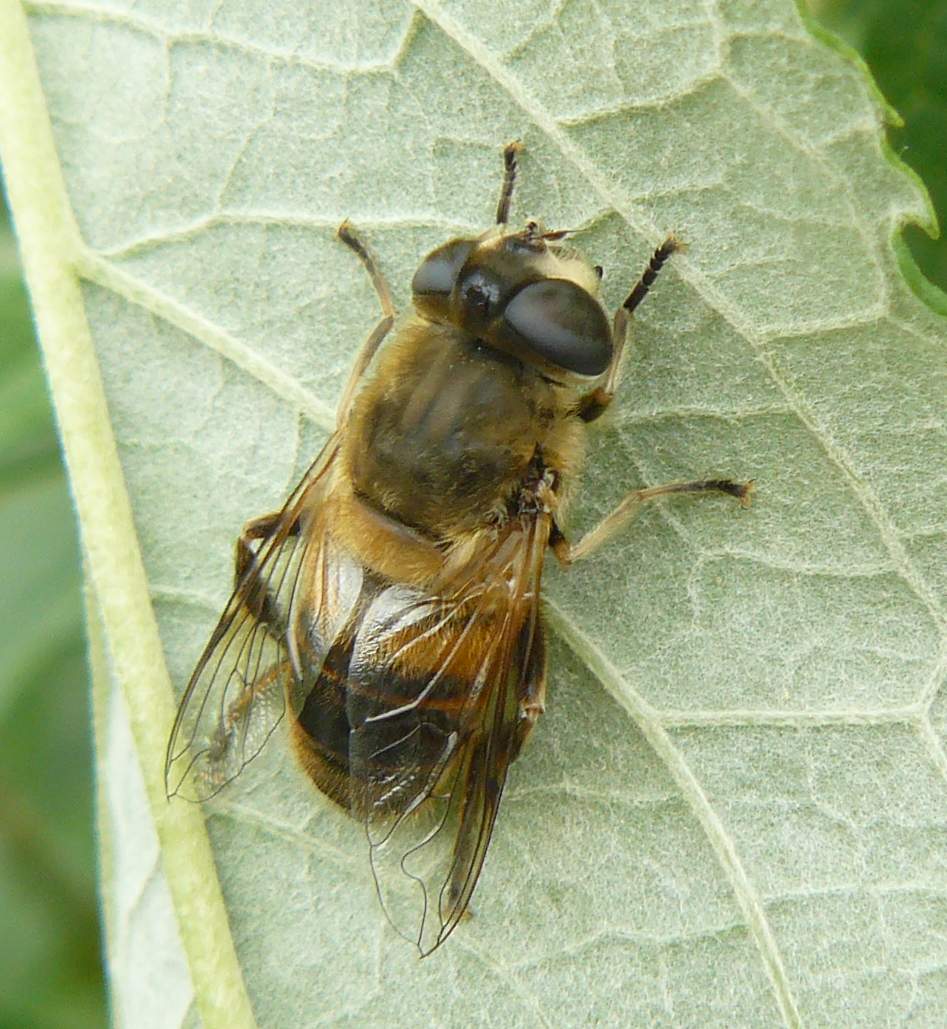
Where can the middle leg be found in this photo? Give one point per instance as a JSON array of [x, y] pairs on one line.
[[617, 519]]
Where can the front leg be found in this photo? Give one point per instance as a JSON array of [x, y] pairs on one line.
[[593, 405]]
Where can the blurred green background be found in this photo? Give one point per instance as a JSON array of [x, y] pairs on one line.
[[50, 970], [904, 43]]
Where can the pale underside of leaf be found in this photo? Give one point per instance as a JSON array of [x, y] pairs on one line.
[[776, 708]]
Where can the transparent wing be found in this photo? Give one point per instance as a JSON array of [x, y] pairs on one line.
[[433, 700], [235, 697]]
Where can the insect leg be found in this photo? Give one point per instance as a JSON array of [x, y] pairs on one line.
[[510, 154], [256, 529], [348, 236], [257, 597], [532, 698], [594, 404], [617, 519]]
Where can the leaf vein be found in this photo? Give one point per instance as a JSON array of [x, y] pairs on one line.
[[92, 267], [214, 38], [648, 721]]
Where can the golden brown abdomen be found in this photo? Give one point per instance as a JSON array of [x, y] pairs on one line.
[[395, 691]]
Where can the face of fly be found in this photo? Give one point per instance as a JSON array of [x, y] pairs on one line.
[[523, 293]]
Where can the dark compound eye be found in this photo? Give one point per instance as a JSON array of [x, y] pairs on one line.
[[439, 270], [563, 325]]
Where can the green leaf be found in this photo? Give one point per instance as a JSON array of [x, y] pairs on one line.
[[734, 810]]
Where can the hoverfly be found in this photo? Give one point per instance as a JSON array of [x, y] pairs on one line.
[[392, 605]]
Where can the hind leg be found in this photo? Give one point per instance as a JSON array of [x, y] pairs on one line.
[[258, 597], [532, 699]]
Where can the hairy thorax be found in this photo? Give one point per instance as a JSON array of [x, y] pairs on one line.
[[447, 431]]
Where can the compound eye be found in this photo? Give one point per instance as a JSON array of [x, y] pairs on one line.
[[439, 270], [563, 325]]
